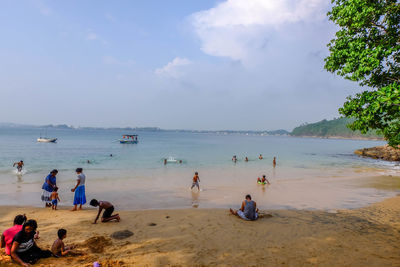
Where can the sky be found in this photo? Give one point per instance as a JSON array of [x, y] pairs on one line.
[[201, 64]]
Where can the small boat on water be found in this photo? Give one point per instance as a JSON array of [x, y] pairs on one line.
[[46, 140], [129, 139]]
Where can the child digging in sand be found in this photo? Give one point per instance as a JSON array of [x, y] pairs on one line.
[[54, 198], [108, 210], [59, 249]]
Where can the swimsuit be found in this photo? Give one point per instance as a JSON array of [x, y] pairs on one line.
[[54, 202]]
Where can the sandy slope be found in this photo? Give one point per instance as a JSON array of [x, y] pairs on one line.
[[207, 237]]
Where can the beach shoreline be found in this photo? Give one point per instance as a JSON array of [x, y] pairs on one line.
[[210, 237]]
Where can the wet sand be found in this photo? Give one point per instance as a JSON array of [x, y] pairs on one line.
[[208, 237]]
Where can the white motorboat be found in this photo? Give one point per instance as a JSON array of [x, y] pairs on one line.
[[46, 140]]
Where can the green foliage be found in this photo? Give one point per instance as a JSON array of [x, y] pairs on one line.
[[367, 50], [332, 128]]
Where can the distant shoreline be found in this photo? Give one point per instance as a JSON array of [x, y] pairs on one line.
[[340, 137]]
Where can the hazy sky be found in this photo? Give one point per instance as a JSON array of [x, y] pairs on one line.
[[201, 64]]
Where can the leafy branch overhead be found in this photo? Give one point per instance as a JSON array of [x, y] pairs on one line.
[[366, 49]]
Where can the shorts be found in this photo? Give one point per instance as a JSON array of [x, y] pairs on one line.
[[108, 212], [54, 202], [19, 168], [241, 215], [195, 184]]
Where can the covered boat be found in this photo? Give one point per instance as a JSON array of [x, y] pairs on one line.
[[129, 139]]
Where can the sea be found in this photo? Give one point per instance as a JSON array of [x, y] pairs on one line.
[[311, 173]]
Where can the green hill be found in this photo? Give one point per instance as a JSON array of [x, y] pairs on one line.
[[331, 128]]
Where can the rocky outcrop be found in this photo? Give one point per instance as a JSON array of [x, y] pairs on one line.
[[380, 152]]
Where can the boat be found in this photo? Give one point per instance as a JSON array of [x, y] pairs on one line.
[[129, 139], [46, 140]]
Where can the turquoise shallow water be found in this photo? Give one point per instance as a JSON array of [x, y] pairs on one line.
[[136, 172]]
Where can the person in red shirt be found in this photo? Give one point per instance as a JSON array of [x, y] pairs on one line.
[[8, 235]]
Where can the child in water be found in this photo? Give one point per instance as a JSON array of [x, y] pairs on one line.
[[54, 198], [264, 180], [196, 180], [59, 249]]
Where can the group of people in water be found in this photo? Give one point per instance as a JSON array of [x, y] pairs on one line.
[[260, 157]]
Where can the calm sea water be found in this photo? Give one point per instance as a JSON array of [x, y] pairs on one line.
[[135, 176]]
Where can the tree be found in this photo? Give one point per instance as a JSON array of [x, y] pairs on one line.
[[366, 49]]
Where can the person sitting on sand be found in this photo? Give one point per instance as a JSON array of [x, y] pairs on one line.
[[8, 235], [54, 198], [24, 249], [108, 210], [196, 180], [264, 180], [259, 180], [58, 248], [248, 211], [260, 157], [19, 164]]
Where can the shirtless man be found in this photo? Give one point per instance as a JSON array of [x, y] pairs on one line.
[[19, 165], [108, 210]]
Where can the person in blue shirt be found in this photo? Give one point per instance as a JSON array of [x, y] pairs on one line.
[[48, 187]]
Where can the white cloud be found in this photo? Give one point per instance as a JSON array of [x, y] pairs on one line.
[[110, 17], [43, 8], [91, 36], [110, 60], [237, 28], [172, 69]]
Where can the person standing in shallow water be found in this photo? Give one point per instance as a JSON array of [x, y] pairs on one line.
[[274, 162], [48, 186], [79, 189]]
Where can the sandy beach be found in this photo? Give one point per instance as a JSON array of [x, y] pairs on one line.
[[209, 237]]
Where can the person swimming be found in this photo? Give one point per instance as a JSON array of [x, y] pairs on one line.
[[264, 180], [260, 157], [246, 159]]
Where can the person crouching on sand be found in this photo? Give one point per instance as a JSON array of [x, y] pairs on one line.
[[59, 249], [108, 210], [248, 211], [196, 180]]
